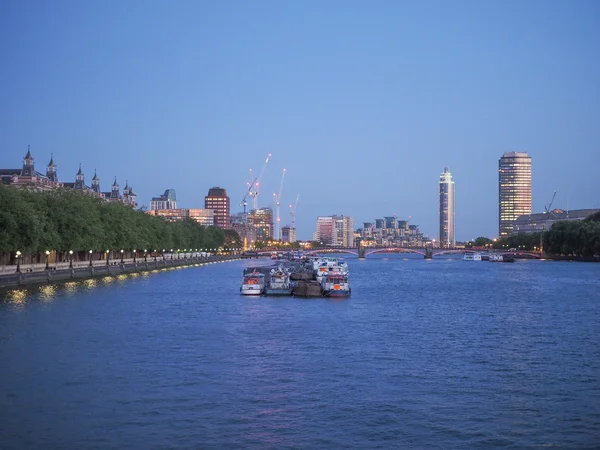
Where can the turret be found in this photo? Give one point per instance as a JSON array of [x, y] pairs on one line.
[[80, 181], [115, 190], [96, 183], [51, 169], [28, 169]]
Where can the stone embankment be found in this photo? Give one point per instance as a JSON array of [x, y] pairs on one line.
[[57, 272]]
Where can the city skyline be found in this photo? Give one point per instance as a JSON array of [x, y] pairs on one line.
[[368, 101]]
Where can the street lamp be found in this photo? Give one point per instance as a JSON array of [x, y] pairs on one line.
[[18, 254], [134, 255], [91, 257], [155, 255], [107, 257], [70, 259], [121, 256], [145, 255], [164, 257], [178, 253], [171, 254], [47, 255]]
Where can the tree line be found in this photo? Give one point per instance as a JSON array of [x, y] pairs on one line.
[[569, 238], [64, 219]]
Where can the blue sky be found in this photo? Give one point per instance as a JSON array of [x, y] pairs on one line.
[[363, 103]]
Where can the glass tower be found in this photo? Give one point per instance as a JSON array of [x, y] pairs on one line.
[[514, 179], [446, 211]]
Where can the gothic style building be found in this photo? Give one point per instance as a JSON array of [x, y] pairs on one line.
[[28, 177]]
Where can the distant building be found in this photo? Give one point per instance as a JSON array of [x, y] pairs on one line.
[[533, 223], [204, 217], [288, 234], [168, 200], [514, 180], [218, 201], [262, 221], [446, 209], [240, 224], [391, 223], [28, 177], [335, 231]]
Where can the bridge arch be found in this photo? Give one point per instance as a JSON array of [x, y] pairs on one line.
[[332, 250], [394, 250]]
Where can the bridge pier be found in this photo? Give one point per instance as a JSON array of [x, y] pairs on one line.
[[428, 253], [361, 252]]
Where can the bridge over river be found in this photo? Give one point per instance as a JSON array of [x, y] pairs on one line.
[[426, 252]]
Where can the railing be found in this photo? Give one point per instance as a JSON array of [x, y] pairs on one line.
[[52, 266]]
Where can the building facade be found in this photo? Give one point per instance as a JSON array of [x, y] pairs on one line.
[[218, 201], [514, 183], [262, 221], [168, 200], [534, 223], [446, 210], [204, 217], [336, 231]]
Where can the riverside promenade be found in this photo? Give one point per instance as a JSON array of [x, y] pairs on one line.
[[65, 271]]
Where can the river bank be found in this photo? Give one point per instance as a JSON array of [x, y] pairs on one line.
[[54, 274]]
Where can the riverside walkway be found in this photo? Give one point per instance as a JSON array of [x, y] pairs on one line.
[[64, 271]]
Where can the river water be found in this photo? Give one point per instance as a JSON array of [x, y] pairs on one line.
[[426, 354]]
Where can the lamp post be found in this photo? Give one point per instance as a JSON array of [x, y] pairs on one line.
[[107, 256], [122, 251], [154, 255], [70, 259], [145, 255], [134, 255], [91, 251], [164, 257], [18, 255], [47, 255], [171, 254]]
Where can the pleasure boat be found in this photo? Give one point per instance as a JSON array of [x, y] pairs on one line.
[[253, 284], [279, 283], [336, 285], [470, 256], [501, 258]]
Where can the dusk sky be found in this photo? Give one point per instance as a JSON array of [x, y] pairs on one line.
[[363, 103]]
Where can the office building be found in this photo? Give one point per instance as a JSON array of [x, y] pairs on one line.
[[446, 210], [514, 180], [534, 223], [168, 200], [262, 221], [288, 234], [218, 201], [336, 231], [204, 217]]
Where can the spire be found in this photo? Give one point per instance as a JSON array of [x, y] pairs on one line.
[[28, 169], [127, 184], [95, 176], [51, 170], [79, 172], [115, 183]]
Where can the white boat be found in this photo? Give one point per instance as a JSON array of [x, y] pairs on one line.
[[253, 284], [470, 256], [279, 283], [336, 285]]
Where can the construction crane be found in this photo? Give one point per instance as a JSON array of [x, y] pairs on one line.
[[249, 191], [277, 204], [548, 208], [293, 212], [255, 187]]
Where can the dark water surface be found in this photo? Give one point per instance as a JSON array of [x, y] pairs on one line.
[[426, 354]]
